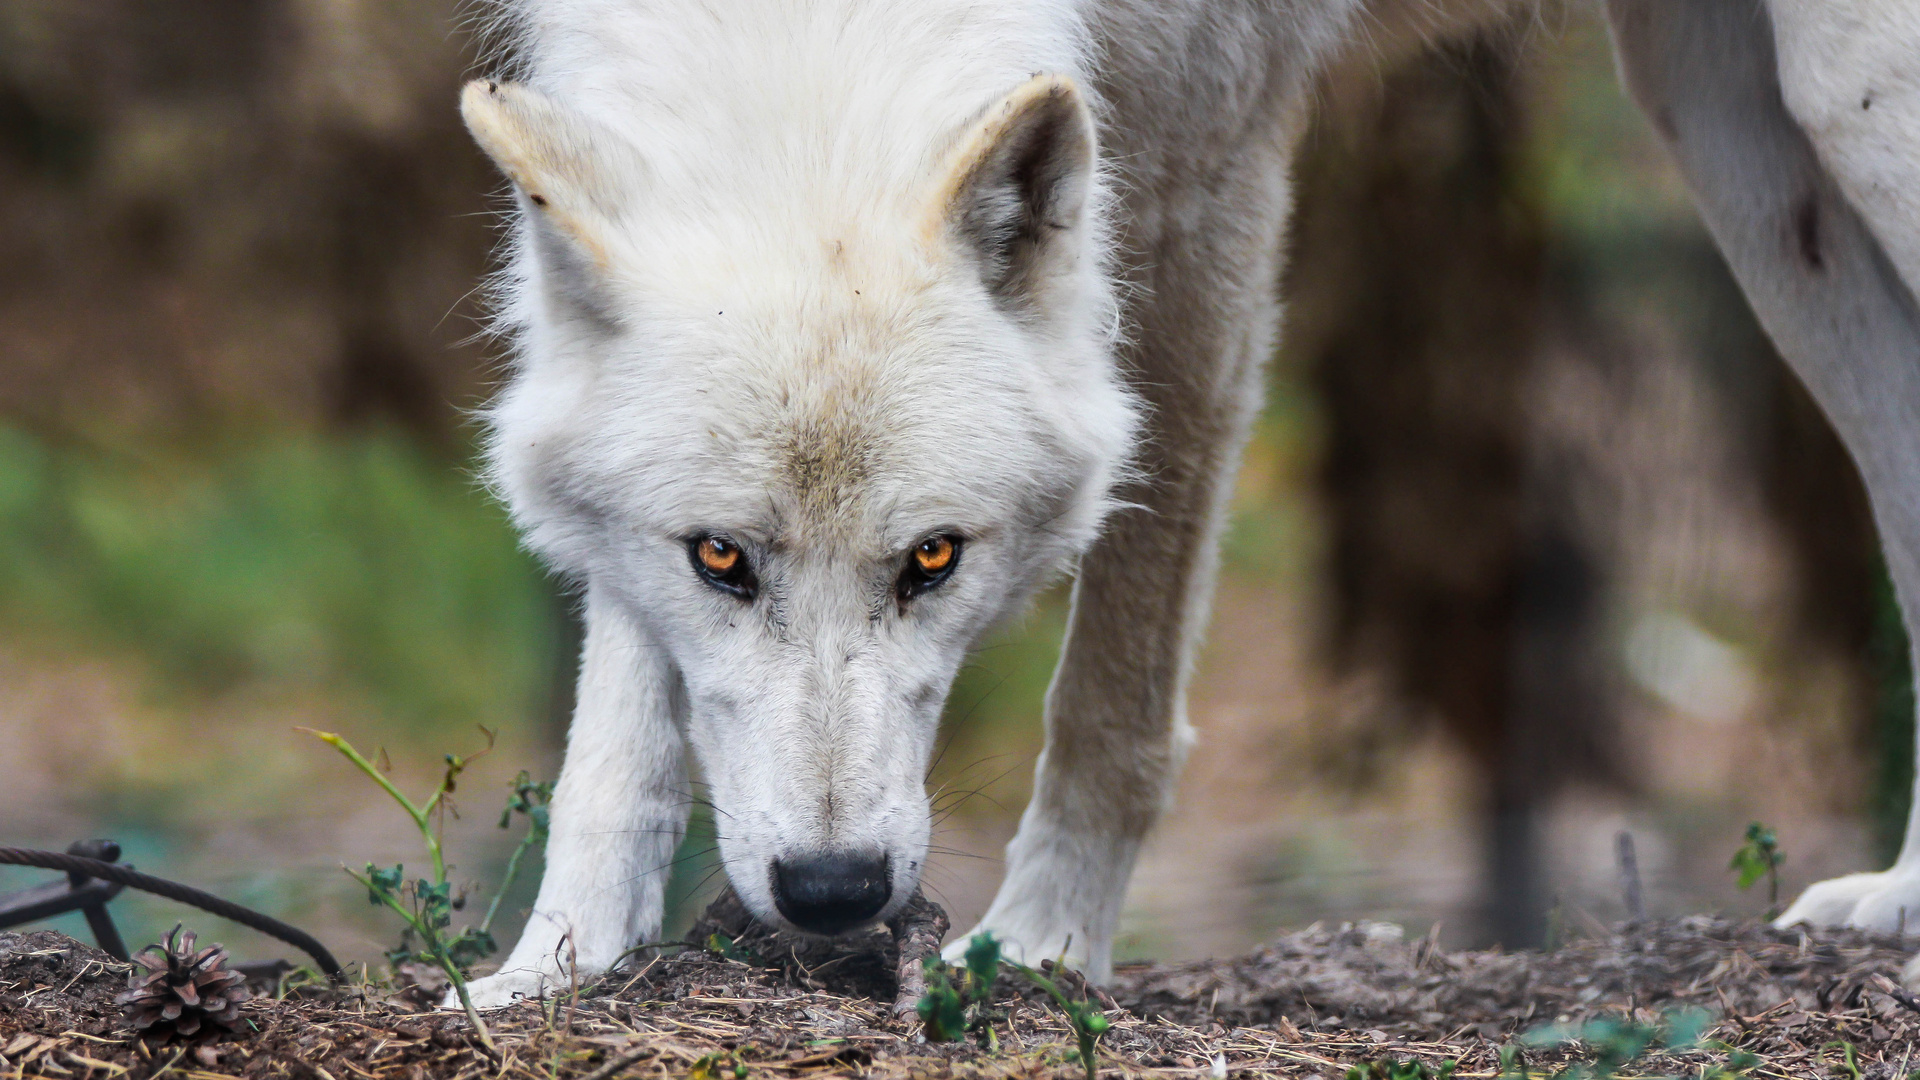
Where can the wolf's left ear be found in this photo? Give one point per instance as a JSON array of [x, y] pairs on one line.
[[571, 170], [1017, 190]]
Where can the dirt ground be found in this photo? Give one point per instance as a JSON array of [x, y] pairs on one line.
[[1315, 1003]]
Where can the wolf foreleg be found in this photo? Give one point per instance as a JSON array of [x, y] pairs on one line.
[[1116, 729], [1822, 284], [618, 814]]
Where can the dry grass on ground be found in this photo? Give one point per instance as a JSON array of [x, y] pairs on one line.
[[1313, 1003]]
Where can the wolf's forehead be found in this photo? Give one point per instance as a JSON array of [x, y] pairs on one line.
[[835, 452], [844, 451], [827, 396], [827, 462]]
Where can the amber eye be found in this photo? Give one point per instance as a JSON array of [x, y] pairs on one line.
[[934, 555], [721, 564], [931, 563], [718, 555]]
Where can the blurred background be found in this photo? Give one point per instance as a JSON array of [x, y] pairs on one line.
[[1537, 539]]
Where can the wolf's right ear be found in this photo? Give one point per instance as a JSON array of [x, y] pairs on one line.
[[574, 173], [1017, 189]]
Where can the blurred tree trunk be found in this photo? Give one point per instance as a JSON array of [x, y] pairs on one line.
[[227, 214], [1415, 303], [1465, 562]]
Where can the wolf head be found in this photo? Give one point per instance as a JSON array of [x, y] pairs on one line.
[[815, 434]]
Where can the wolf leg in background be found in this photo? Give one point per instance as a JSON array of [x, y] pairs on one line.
[[1201, 228], [1801, 142], [1116, 729], [618, 814]]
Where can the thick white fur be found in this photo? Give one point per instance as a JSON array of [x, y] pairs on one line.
[[740, 303], [1850, 75], [738, 307], [1797, 126]]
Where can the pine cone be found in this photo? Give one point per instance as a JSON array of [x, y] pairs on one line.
[[182, 989]]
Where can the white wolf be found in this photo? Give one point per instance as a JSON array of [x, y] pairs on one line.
[[843, 325]]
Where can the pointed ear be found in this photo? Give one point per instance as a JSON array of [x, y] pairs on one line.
[[571, 171], [1017, 189]]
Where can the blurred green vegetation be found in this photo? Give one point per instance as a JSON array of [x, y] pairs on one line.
[[363, 573], [360, 566]]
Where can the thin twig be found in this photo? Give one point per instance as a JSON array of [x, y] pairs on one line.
[[1630, 892], [626, 1060]]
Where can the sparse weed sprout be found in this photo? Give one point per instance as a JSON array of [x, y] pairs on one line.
[[1849, 1064], [957, 998], [942, 1008], [1088, 1022], [426, 906], [983, 966], [1617, 1043], [1402, 1070], [1614, 1043], [719, 1066], [529, 799], [729, 948], [1739, 1063], [1760, 857], [957, 1001]]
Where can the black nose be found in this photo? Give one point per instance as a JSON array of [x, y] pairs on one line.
[[830, 891]]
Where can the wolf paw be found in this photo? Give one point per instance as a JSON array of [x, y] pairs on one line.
[[503, 989], [1884, 902], [1029, 946]]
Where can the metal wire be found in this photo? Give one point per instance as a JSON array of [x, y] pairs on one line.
[[185, 894]]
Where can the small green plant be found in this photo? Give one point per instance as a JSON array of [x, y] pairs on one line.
[[721, 1065], [957, 1000], [983, 966], [530, 799], [1084, 1016], [1614, 1043], [1402, 1070], [1738, 1065], [728, 948], [943, 1008], [1617, 1043], [426, 906], [1760, 857], [1849, 1064]]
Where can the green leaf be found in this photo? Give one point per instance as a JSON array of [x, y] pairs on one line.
[[1758, 857], [471, 946], [941, 1008], [983, 965], [382, 884], [722, 945], [1685, 1026], [717, 1065], [436, 902], [1401, 1070]]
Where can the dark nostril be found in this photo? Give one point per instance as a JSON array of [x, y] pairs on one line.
[[831, 891]]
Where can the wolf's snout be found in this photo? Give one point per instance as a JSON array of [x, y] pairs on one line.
[[828, 892]]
